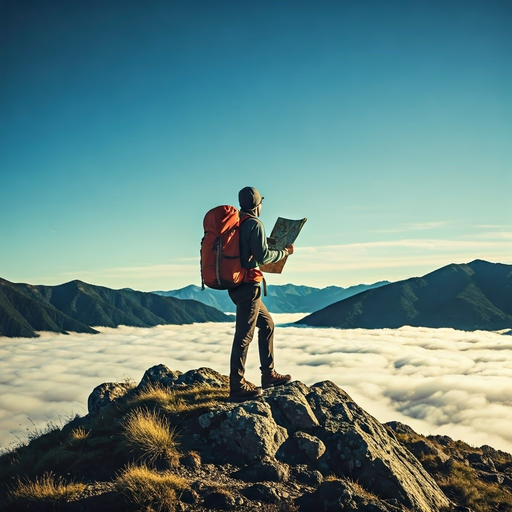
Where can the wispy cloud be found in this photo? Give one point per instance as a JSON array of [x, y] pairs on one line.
[[439, 381], [413, 226]]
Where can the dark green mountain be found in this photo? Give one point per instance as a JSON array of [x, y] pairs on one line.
[[76, 306], [472, 296], [288, 298]]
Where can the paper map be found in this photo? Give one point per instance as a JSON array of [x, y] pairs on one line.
[[284, 233]]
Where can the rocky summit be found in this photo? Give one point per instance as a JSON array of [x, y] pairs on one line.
[[175, 442], [296, 432]]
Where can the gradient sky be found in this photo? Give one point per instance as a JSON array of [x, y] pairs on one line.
[[387, 124]]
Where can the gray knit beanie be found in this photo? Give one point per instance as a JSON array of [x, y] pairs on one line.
[[249, 198]]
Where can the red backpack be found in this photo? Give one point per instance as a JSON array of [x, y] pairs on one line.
[[221, 267]]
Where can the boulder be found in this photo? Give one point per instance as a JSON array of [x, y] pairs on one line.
[[104, 394], [161, 375], [310, 445], [247, 431]]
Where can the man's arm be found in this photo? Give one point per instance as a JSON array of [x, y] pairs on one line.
[[259, 247]]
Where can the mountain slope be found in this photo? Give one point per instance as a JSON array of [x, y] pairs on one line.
[[470, 296], [286, 298], [76, 306]]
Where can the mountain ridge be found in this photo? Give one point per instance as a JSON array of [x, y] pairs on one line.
[[78, 306], [287, 298], [470, 296]]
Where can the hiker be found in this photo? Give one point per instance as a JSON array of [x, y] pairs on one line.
[[250, 310]]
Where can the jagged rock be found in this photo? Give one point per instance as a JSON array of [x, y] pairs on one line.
[[291, 408], [261, 492], [442, 440], [423, 447], [481, 462], [358, 445], [307, 477], [311, 446], [497, 478], [400, 428], [246, 430], [203, 377], [268, 470], [161, 375], [104, 394]]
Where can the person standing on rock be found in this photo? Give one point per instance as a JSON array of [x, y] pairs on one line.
[[250, 310]]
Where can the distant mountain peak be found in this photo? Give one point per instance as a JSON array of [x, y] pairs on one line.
[[470, 296], [76, 306]]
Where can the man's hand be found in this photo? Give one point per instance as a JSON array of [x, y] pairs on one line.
[[290, 249]]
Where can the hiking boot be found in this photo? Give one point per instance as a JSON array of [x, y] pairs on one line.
[[269, 380], [244, 391]]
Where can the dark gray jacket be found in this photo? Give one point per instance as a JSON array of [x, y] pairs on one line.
[[254, 250]]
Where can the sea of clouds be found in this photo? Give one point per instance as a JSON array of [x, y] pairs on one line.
[[438, 381]]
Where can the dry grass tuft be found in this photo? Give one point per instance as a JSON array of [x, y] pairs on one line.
[[153, 393], [150, 434], [78, 436], [176, 400], [460, 482], [149, 489], [47, 488]]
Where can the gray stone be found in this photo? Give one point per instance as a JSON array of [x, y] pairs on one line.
[[307, 477], [268, 470], [203, 377], [247, 430], [104, 394], [481, 462], [423, 447], [163, 376], [311, 446], [291, 407], [400, 428], [159, 375]]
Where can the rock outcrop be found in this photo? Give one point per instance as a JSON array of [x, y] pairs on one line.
[[315, 432]]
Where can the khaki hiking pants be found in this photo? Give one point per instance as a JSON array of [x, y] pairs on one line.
[[250, 313]]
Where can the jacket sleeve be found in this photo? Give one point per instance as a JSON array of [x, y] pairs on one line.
[[259, 248]]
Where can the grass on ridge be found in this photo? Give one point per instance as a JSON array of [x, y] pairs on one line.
[[46, 488], [149, 489], [150, 435], [180, 400]]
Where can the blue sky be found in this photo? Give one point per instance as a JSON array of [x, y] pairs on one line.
[[387, 124]]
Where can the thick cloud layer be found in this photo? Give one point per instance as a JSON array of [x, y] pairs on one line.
[[439, 381]]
